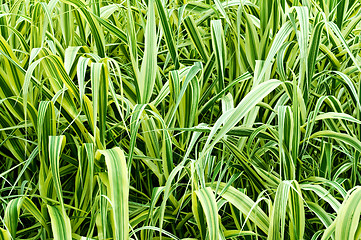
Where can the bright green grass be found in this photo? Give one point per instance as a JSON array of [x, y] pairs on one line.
[[180, 119]]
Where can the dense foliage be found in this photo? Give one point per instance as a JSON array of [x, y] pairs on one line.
[[158, 119]]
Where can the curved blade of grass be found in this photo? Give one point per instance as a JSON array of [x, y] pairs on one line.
[[245, 205], [12, 213], [209, 205], [149, 66], [60, 223], [119, 190], [348, 218], [352, 141], [56, 145], [278, 217], [247, 103]]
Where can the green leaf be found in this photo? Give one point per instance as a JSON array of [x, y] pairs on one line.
[[60, 223], [119, 190], [149, 66], [209, 205]]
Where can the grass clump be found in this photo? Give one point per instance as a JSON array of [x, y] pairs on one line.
[[180, 119]]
